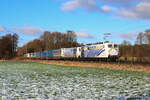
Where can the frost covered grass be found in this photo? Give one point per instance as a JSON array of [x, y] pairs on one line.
[[35, 81]]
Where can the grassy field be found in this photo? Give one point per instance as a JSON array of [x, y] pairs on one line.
[[35, 81]]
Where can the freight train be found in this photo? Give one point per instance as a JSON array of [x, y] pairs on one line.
[[104, 50]]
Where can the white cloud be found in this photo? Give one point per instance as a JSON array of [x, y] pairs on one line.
[[136, 9], [121, 2], [71, 5], [30, 30], [129, 36], [84, 34], [106, 8], [2, 29], [142, 10], [89, 5]]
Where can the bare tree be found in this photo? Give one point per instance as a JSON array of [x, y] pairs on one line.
[[140, 38], [8, 46], [147, 36], [125, 47]]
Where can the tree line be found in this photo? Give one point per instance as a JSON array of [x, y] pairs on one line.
[[49, 41], [140, 51], [8, 46]]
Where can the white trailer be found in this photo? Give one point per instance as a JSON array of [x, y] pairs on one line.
[[71, 52]]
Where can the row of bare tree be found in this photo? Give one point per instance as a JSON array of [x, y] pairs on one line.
[[50, 40], [8, 46], [140, 51]]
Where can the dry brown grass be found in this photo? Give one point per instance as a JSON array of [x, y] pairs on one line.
[[2, 60], [128, 67]]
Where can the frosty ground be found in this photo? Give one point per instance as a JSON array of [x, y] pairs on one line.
[[36, 81]]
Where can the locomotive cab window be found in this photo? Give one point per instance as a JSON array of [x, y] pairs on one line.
[[109, 45], [115, 46]]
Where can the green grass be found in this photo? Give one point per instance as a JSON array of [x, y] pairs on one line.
[[24, 80]]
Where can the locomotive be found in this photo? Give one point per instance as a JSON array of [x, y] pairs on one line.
[[104, 50]]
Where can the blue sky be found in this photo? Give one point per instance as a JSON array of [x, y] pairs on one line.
[[90, 19]]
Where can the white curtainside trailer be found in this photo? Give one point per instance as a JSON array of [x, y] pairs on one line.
[[69, 52]]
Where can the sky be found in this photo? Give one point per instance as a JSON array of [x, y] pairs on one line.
[[89, 19]]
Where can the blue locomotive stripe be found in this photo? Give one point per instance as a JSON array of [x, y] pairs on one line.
[[101, 52]]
